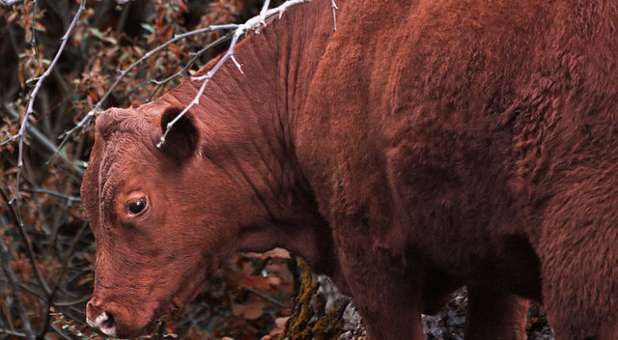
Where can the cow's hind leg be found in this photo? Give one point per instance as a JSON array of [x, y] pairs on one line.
[[579, 262], [494, 314], [579, 295]]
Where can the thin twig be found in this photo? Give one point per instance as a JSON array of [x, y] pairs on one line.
[[63, 269], [22, 231], [9, 140], [13, 333], [266, 297], [334, 8], [28, 289], [264, 10], [72, 302], [41, 138], [8, 3], [70, 200], [32, 291], [97, 107], [196, 56], [60, 332], [252, 24], [33, 43]]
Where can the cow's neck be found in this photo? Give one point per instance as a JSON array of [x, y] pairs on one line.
[[247, 118]]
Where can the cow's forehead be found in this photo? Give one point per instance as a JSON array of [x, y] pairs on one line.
[[120, 148], [125, 152], [130, 120]]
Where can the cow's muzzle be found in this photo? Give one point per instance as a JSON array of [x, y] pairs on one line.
[[121, 319]]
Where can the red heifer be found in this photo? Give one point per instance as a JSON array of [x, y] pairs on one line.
[[423, 146]]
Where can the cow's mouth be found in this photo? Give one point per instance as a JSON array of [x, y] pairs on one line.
[[174, 306], [183, 297]]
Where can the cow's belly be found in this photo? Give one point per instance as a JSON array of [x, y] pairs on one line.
[[452, 199]]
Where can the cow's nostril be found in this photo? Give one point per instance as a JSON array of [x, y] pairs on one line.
[[106, 323], [109, 322]]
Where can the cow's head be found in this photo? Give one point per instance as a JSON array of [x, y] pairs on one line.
[[162, 218]]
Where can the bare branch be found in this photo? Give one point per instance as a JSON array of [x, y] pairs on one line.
[[8, 3], [252, 24]]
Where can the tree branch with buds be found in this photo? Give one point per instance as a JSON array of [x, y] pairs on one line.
[[21, 134]]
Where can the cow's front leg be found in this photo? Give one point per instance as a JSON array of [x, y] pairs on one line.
[[390, 315], [387, 296], [493, 314]]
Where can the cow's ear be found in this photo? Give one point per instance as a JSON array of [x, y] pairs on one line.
[[182, 140]]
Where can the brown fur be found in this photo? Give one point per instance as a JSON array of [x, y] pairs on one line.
[[423, 146]]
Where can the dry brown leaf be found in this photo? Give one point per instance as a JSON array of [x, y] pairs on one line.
[[250, 311]]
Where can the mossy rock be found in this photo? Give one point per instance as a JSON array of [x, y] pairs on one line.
[[311, 317]]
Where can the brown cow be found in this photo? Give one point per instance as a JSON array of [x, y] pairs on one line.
[[423, 146]]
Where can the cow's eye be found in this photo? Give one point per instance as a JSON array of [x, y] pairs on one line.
[[136, 206]]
